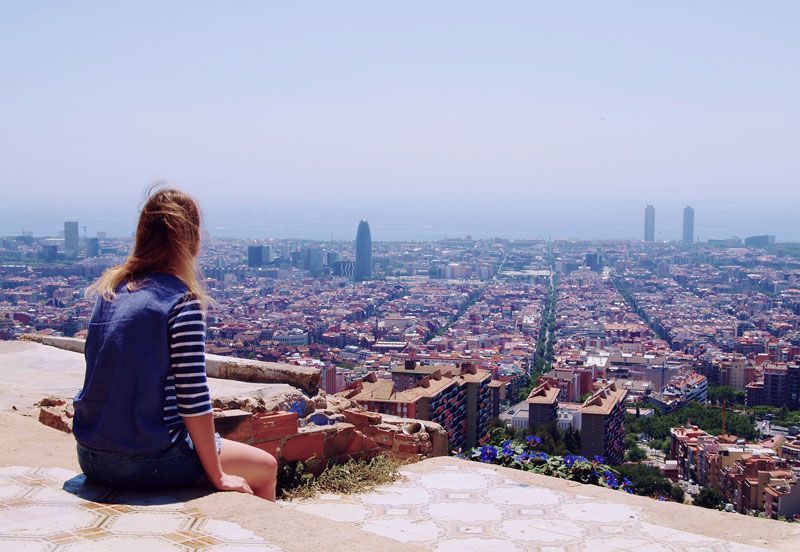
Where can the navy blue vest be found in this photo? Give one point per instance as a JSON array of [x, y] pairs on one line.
[[121, 405]]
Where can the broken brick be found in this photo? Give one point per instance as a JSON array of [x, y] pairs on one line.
[[271, 426], [361, 417], [57, 418], [304, 446], [383, 437]]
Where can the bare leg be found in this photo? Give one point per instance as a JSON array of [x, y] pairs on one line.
[[258, 467]]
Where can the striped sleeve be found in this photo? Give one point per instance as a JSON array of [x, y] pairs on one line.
[[187, 348]]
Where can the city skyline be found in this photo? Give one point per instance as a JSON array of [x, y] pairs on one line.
[[398, 224]]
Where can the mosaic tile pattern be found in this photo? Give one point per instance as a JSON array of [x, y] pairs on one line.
[[460, 508], [56, 510]]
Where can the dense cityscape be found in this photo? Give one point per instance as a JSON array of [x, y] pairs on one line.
[[383, 276], [674, 361]]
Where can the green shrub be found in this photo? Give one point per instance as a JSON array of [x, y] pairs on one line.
[[648, 481], [708, 497]]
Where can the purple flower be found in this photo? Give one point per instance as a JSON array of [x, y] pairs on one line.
[[534, 440], [599, 459], [522, 457], [569, 460], [488, 454], [507, 451]]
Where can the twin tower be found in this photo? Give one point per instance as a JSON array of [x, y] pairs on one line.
[[650, 224]]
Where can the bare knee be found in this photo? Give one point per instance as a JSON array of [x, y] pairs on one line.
[[266, 467], [265, 476], [270, 464], [257, 466]]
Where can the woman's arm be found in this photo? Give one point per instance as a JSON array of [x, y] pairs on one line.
[[187, 359]]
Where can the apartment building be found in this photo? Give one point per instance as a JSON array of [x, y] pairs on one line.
[[543, 404], [457, 398], [603, 424]]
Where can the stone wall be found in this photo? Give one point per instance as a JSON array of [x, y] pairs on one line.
[[362, 435], [282, 433]]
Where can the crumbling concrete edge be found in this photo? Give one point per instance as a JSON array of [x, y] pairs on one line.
[[305, 378]]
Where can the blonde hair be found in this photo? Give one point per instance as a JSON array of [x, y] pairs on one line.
[[167, 240]]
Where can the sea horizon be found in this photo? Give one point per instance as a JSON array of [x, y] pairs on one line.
[[418, 220]]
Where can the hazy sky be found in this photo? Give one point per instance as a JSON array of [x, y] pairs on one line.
[[548, 118]]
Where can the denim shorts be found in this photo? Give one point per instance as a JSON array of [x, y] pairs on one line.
[[174, 467]]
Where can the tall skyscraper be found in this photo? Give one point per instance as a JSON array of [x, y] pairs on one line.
[[650, 223], [363, 269], [255, 256], [688, 225], [315, 259], [93, 247], [71, 239]]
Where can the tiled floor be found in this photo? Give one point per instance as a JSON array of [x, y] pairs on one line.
[[474, 508], [55, 510]]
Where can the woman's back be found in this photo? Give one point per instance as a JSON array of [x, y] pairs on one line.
[[121, 405]]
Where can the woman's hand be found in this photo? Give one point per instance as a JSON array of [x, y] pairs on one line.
[[201, 430], [228, 482]]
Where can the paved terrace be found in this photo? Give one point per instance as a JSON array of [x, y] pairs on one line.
[[440, 504]]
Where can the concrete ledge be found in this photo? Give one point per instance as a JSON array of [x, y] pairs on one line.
[[256, 371], [32, 371], [452, 504], [761, 532], [223, 367], [28, 443], [66, 343]]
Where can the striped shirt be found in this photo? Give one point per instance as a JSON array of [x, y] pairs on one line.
[[187, 388]]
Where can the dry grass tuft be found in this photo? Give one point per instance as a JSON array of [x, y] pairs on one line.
[[354, 476]]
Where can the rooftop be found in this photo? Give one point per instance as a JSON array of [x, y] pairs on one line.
[[436, 379], [543, 394], [604, 400]]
